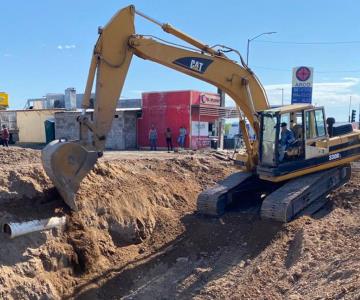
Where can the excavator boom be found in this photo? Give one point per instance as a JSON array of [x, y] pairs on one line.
[[68, 162]]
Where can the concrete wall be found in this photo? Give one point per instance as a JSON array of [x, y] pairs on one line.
[[31, 125], [66, 125], [121, 136]]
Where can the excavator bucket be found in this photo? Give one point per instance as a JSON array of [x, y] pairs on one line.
[[67, 163]]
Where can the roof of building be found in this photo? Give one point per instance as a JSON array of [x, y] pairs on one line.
[[177, 91], [290, 108], [32, 110], [92, 110]]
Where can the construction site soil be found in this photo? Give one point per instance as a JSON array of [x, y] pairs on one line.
[[137, 236]]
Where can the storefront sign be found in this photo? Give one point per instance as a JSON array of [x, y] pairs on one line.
[[4, 99], [210, 99]]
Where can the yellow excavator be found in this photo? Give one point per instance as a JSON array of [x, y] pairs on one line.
[[289, 180]]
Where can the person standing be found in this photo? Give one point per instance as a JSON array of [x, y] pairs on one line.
[[153, 137], [5, 136], [168, 135], [182, 136]]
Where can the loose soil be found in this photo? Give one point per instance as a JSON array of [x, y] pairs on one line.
[[137, 236]]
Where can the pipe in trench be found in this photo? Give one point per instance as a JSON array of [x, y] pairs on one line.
[[17, 229]]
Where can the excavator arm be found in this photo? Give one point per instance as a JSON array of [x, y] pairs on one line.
[[67, 163]]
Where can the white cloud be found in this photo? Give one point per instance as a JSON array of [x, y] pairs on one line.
[[62, 47], [333, 95]]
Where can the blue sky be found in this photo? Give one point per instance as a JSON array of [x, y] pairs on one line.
[[46, 45]]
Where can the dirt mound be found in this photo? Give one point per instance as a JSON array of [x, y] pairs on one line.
[[22, 177], [123, 202], [17, 156], [27, 182]]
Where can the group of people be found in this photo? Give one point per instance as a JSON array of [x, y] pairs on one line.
[[286, 139], [153, 138]]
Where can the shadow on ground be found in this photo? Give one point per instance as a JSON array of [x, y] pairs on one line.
[[213, 242]]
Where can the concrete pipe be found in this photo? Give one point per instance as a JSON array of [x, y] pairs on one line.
[[17, 229]]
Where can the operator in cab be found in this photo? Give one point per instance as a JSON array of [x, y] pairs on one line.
[[286, 139]]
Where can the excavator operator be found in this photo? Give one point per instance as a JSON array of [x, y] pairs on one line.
[[286, 139]]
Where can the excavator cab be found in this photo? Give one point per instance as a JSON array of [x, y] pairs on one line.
[[292, 137]]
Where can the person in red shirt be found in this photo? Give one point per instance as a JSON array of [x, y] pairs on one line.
[[5, 136]]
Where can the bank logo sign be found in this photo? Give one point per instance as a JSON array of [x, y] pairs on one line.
[[302, 84], [197, 64]]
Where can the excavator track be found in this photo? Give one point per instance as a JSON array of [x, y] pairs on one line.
[[213, 201], [304, 195]]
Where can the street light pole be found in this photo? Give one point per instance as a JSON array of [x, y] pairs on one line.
[[248, 44], [247, 52]]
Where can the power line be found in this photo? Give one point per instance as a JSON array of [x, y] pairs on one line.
[[309, 43], [323, 72]]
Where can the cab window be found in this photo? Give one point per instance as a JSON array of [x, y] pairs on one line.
[[320, 122], [315, 124]]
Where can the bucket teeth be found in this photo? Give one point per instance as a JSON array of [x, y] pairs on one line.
[[66, 164]]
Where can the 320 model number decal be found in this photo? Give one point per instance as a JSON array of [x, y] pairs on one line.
[[334, 156]]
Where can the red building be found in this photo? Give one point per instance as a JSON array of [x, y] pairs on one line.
[[199, 112]]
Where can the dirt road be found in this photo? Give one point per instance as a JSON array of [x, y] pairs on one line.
[[137, 236]]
